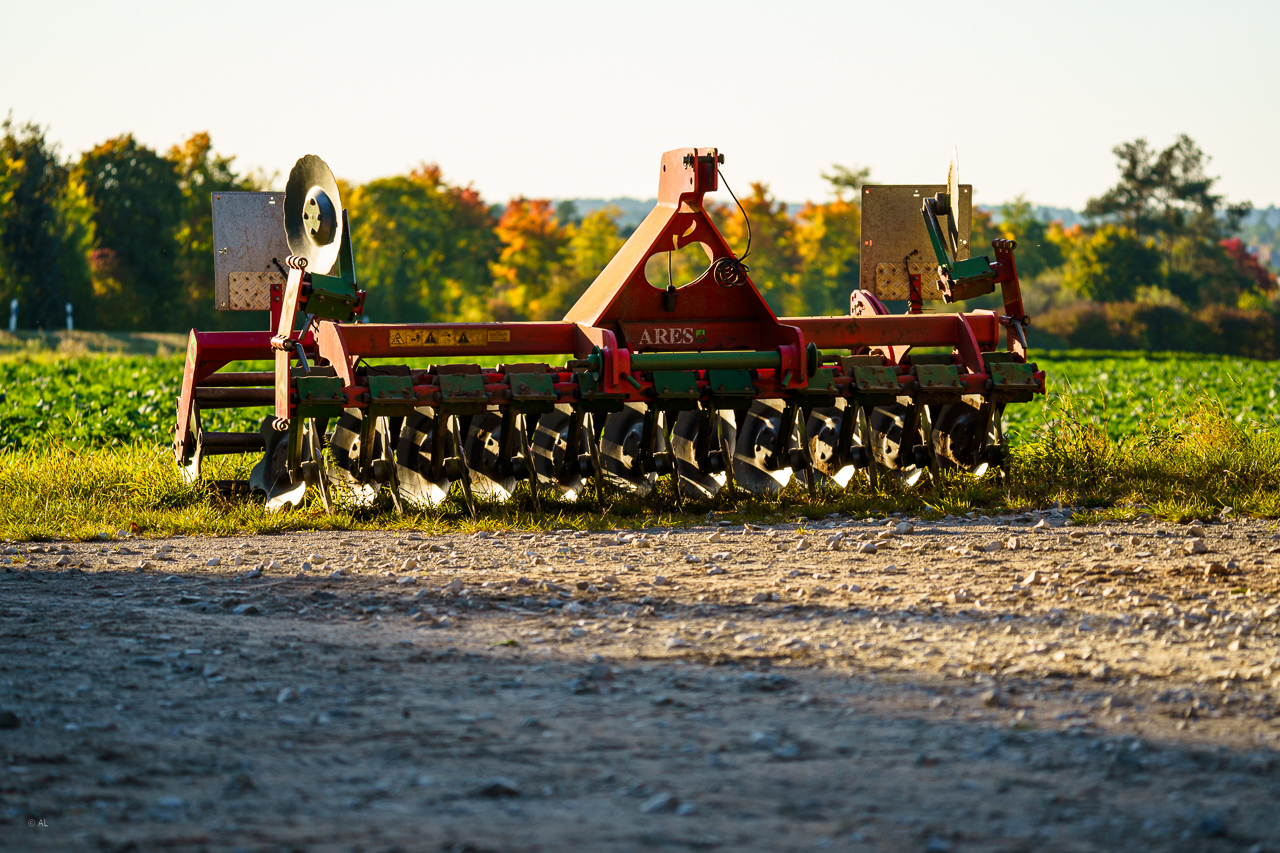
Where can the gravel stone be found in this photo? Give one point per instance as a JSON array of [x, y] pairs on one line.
[[663, 802]]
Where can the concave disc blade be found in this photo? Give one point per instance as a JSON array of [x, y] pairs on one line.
[[957, 434], [260, 476], [313, 214], [823, 428], [344, 446], [413, 461], [285, 492], [482, 446], [620, 450], [754, 446], [551, 455], [887, 425], [190, 468], [314, 448], [695, 482]]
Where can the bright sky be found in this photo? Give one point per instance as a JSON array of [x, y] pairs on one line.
[[562, 99]]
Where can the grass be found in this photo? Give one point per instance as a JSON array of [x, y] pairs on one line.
[[1192, 462]]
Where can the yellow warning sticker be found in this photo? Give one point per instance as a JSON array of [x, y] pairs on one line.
[[405, 338], [443, 338]]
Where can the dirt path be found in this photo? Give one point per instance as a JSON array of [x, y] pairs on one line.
[[772, 690]]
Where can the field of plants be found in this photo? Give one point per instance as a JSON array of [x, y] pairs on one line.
[[95, 400], [84, 451]]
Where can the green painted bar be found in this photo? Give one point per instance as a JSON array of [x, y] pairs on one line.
[[704, 360]]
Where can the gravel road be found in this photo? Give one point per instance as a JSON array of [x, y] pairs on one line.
[[980, 684]]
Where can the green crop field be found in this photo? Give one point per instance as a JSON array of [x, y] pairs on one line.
[[84, 449], [1124, 390], [94, 400], [103, 399]]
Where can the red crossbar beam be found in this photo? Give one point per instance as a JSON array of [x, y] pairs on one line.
[[920, 330]]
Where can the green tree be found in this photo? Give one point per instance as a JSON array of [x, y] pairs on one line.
[[137, 209], [423, 248], [593, 242], [1036, 252], [774, 259], [45, 230], [1168, 197], [201, 172], [844, 179], [828, 239], [1108, 264]]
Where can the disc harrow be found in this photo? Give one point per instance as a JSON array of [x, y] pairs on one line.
[[702, 383]]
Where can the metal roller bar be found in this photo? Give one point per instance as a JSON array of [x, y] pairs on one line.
[[255, 379], [215, 398], [215, 443]]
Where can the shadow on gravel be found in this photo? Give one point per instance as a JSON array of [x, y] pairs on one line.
[[196, 711]]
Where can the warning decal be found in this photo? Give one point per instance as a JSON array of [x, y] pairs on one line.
[[443, 337]]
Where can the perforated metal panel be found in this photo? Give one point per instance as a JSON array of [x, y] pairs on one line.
[[892, 228], [248, 243]]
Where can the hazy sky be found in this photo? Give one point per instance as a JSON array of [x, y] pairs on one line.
[[567, 99]]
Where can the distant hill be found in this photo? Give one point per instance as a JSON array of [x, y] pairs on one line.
[[631, 211]]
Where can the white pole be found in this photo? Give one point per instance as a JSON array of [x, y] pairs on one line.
[[13, 315], [70, 325]]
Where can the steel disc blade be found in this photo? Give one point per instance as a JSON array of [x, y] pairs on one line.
[[695, 482], [824, 441], [910, 477], [551, 456], [313, 214], [621, 446], [413, 461], [285, 492], [754, 447], [887, 425], [866, 442], [344, 446], [260, 479], [190, 467], [483, 446], [315, 448], [957, 434]]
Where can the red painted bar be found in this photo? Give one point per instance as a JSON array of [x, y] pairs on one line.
[[386, 340], [921, 330]]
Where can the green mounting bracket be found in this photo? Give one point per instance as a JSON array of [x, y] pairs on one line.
[[533, 392], [336, 297], [676, 384], [870, 380], [970, 277], [391, 395], [1012, 376], [938, 376], [319, 396], [731, 383]]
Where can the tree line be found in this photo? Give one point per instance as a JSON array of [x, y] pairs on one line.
[[124, 233]]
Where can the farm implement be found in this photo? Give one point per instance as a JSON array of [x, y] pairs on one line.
[[701, 383]]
